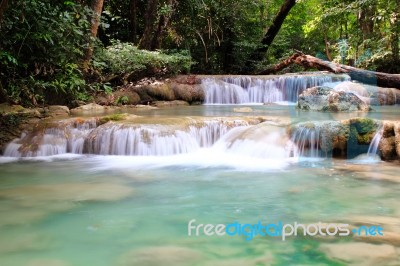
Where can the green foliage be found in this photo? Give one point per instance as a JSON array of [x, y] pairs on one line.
[[122, 100], [45, 41], [125, 58]]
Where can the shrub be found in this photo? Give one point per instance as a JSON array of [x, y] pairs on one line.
[[126, 59]]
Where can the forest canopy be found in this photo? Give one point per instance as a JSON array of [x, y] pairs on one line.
[[69, 50]]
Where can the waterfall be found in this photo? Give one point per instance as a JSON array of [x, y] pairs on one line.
[[265, 140], [85, 137], [262, 89], [374, 145], [67, 136], [306, 140], [158, 140]]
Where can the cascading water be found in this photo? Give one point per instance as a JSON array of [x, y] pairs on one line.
[[265, 140], [119, 139], [67, 136], [245, 89], [374, 145], [306, 140]]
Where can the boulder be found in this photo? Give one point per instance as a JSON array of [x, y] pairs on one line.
[[89, 108], [325, 99], [370, 94], [58, 110]]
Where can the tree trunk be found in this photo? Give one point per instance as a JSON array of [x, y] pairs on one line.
[[366, 23], [328, 53], [3, 7], [150, 18], [162, 25], [395, 33], [97, 8], [133, 20], [276, 25], [271, 34], [364, 76]]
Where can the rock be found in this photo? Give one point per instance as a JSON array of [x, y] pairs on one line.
[[188, 93], [47, 262], [58, 110], [345, 102], [167, 256], [387, 148], [125, 97], [77, 103], [325, 99], [372, 95], [170, 103], [396, 129], [14, 119], [377, 176], [243, 110], [145, 107], [353, 87], [74, 192], [7, 108], [361, 253], [24, 242], [117, 117], [391, 238], [91, 107], [387, 222]]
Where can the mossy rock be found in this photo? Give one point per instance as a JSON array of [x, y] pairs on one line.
[[364, 125], [113, 117], [188, 93], [160, 92], [365, 138]]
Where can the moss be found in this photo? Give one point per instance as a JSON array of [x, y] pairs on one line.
[[308, 125], [365, 138], [364, 125], [113, 117]]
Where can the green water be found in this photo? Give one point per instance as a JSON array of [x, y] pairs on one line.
[[143, 218], [109, 210]]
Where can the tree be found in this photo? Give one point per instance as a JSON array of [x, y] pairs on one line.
[[3, 7], [97, 7], [150, 18], [276, 25]]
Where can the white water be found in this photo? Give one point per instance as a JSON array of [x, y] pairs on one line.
[[245, 89], [307, 141], [119, 139], [67, 136], [374, 146]]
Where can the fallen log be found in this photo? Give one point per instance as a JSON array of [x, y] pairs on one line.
[[310, 62]]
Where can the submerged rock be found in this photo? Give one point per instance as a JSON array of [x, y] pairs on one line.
[[361, 253], [58, 110], [74, 192], [243, 110], [167, 256], [23, 243], [170, 103], [47, 262], [325, 99]]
